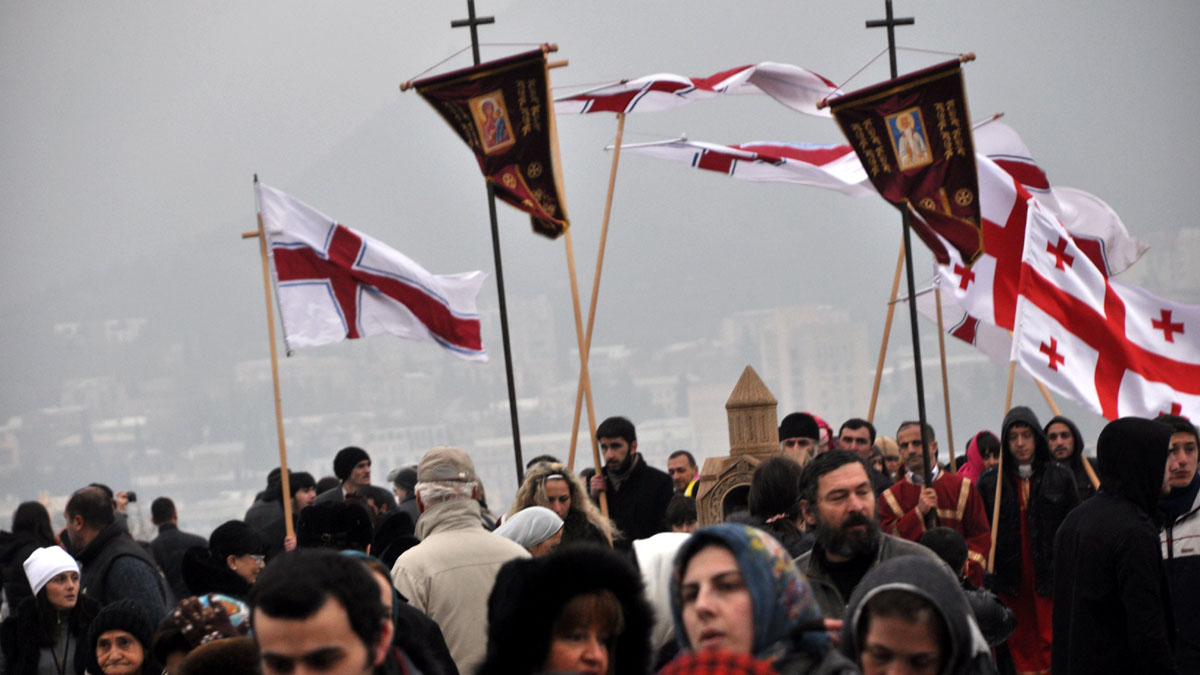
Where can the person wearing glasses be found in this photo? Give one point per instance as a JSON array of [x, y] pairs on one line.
[[231, 563]]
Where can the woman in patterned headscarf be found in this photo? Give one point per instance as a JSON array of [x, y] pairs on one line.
[[736, 589]]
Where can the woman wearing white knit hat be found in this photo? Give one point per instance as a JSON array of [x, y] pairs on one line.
[[45, 634]]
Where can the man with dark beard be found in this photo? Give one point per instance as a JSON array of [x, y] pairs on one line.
[[638, 493], [837, 499]]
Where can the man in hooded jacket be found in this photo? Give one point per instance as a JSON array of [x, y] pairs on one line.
[[1036, 495], [1066, 446], [1112, 609]]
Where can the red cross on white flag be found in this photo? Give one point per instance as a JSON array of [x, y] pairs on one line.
[[334, 283], [1112, 347]]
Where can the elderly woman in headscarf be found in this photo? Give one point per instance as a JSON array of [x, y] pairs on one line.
[[911, 612], [736, 589], [551, 485], [537, 528]]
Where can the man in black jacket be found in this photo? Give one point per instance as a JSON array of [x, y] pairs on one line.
[[637, 493], [1180, 511], [114, 566], [1066, 445], [1036, 495], [1111, 605], [171, 542]]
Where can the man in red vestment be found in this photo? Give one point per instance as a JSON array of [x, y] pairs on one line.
[[953, 499], [1036, 493]]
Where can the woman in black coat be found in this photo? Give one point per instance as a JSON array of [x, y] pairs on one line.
[[51, 625], [580, 609]]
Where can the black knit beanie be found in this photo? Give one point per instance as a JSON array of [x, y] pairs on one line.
[[126, 615], [346, 459]]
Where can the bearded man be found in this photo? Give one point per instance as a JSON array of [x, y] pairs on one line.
[[839, 506]]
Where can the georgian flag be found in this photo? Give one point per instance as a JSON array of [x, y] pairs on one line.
[[334, 283], [1112, 347], [795, 87]]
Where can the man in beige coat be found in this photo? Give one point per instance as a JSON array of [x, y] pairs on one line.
[[449, 575]]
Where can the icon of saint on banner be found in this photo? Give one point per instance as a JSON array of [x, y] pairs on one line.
[[491, 119], [908, 139]]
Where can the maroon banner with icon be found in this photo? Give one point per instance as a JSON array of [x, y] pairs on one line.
[[913, 136], [502, 110]]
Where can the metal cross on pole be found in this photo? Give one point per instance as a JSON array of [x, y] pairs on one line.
[[890, 23], [473, 22]]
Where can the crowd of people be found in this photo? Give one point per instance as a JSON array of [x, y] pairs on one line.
[[846, 553]]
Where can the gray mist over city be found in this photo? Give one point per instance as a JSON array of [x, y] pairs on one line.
[[135, 343]]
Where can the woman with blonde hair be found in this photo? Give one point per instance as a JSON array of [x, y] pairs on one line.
[[551, 485]]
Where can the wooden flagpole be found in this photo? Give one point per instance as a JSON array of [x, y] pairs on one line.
[[937, 296], [584, 378], [887, 332], [284, 478], [591, 321], [1012, 373]]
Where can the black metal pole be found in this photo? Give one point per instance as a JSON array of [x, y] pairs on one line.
[[473, 22], [890, 23]]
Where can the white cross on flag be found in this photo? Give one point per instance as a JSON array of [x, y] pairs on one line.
[[1112, 347], [334, 283]]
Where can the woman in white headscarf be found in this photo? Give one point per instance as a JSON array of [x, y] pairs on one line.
[[537, 528]]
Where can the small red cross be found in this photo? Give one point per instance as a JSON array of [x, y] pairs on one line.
[[1060, 254], [1164, 324], [1175, 409], [1052, 352], [966, 276]]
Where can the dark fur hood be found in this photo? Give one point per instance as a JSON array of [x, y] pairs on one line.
[[529, 594]]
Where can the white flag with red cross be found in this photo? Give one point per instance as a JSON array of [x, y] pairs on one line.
[[1112, 347], [334, 283], [797, 88]]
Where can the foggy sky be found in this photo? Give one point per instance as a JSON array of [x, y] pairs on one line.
[[132, 131]]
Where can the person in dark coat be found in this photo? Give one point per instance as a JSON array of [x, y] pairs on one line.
[[637, 493], [171, 543], [911, 609], [774, 502], [1036, 496], [1180, 512], [230, 564], [31, 530], [114, 565], [538, 604], [996, 621], [1112, 610], [1066, 445], [48, 627]]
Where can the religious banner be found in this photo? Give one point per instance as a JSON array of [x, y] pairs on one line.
[[502, 110], [913, 136]]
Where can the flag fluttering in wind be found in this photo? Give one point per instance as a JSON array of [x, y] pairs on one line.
[[334, 283], [833, 167], [501, 109], [913, 135], [1112, 347], [795, 87]]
